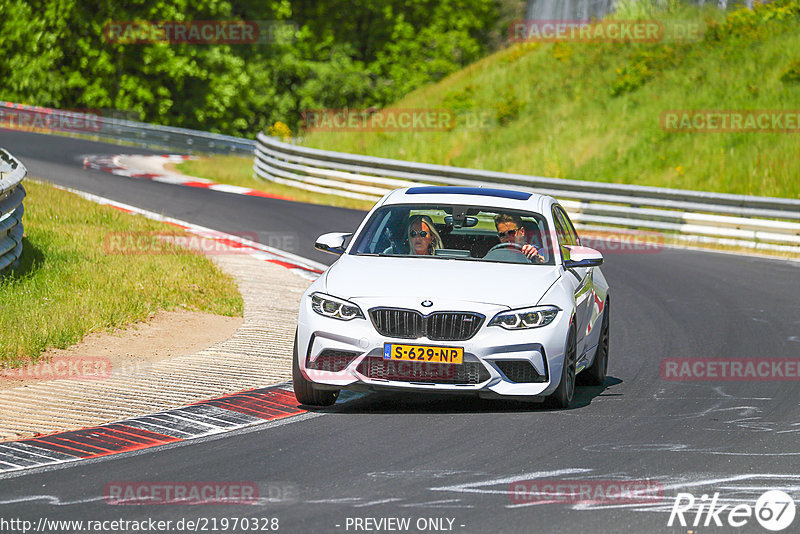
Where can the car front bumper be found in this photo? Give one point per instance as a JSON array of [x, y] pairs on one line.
[[359, 348]]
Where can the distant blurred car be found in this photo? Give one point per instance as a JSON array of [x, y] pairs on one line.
[[476, 316]]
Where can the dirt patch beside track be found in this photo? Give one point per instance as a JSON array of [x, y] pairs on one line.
[[164, 335]]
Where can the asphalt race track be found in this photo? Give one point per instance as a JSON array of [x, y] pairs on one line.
[[454, 460], [59, 160]]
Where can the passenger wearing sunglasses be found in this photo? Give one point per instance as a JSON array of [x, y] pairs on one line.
[[510, 230], [423, 239]]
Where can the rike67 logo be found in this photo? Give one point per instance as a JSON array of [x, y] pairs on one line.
[[774, 510]]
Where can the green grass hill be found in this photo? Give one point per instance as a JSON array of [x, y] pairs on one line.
[[593, 111]]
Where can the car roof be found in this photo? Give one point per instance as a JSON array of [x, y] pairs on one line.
[[480, 196]]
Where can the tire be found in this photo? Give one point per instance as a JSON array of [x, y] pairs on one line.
[[595, 375], [562, 397], [304, 391]]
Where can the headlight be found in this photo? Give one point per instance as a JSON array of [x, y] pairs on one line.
[[335, 308], [525, 318]]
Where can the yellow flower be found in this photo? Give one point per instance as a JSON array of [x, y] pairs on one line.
[[281, 130]]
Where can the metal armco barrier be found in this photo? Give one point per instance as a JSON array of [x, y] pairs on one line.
[[690, 216], [11, 194], [139, 133]]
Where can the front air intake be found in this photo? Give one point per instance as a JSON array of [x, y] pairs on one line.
[[467, 373], [520, 371], [332, 360]]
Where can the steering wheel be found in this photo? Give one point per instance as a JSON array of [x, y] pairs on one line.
[[507, 252]]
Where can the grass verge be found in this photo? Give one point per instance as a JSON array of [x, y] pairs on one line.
[[68, 285]]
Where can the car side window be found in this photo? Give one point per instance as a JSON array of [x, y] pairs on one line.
[[376, 239], [561, 233], [569, 227], [565, 231]]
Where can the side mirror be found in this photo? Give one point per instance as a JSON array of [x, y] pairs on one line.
[[582, 257], [333, 243]]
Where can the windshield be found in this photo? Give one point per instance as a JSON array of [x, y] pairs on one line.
[[469, 233]]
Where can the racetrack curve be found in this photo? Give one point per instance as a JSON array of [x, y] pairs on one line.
[[450, 457]]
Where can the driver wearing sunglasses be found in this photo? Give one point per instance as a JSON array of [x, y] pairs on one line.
[[423, 239], [510, 230]]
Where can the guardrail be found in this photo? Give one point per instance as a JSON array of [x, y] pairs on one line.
[[113, 129], [689, 216], [11, 194]]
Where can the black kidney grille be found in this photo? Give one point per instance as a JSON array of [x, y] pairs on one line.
[[467, 373], [439, 326], [519, 371], [398, 323], [443, 326], [332, 360]]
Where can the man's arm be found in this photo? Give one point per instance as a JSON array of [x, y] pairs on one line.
[[532, 253]]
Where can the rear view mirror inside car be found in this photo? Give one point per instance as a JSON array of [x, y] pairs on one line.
[[467, 222]]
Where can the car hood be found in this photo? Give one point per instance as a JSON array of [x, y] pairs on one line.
[[502, 284]]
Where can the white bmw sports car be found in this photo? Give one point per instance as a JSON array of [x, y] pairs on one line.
[[455, 289]]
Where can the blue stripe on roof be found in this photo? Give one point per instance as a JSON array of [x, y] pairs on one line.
[[478, 191]]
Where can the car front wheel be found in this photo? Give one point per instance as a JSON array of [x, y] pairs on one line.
[[562, 396], [303, 389], [595, 375]]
